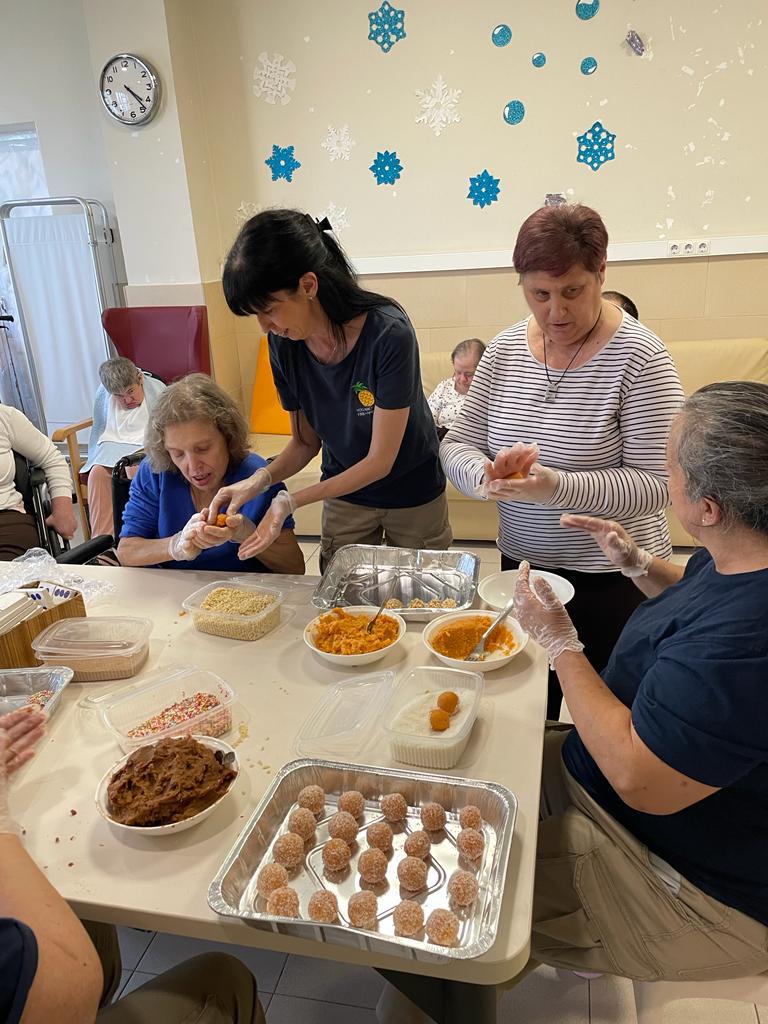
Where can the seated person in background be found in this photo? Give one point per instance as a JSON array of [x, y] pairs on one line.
[[18, 532], [446, 400], [197, 442], [49, 968], [623, 302], [121, 410]]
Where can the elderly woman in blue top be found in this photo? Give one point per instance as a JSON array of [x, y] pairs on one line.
[[196, 442], [653, 861], [121, 411], [346, 367]]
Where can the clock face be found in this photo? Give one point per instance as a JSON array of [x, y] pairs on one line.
[[130, 90]]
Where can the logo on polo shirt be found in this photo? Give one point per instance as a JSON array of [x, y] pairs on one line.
[[365, 396]]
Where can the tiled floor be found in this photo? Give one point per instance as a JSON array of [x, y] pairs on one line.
[[300, 990]]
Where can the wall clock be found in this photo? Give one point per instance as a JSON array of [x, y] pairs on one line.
[[129, 89]]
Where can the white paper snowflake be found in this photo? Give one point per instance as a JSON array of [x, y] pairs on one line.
[[439, 105], [337, 215], [272, 79], [245, 211], [338, 142]]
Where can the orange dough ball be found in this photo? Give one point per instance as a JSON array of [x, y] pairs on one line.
[[221, 519], [433, 817], [418, 844], [439, 720], [283, 902], [448, 701], [343, 826], [289, 850], [336, 855], [471, 843], [362, 909], [462, 888], [393, 806], [408, 918], [470, 817], [302, 821], [271, 877], [443, 928], [313, 798], [412, 873], [323, 907], [352, 802], [372, 866], [515, 476], [379, 834]]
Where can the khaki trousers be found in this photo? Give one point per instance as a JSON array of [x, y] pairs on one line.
[[422, 526], [210, 989], [600, 905]]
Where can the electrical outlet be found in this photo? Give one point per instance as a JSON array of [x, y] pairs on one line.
[[688, 247]]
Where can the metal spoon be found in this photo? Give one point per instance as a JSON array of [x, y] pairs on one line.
[[479, 649], [372, 623]]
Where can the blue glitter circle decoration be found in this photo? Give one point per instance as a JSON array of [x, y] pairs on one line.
[[585, 11], [588, 66], [539, 60], [501, 35], [514, 112]]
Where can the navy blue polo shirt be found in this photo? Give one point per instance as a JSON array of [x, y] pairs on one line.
[[383, 370], [692, 664], [18, 965]]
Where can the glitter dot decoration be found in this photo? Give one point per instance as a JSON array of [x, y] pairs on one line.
[[585, 11], [596, 146], [539, 59], [514, 112], [501, 35], [588, 66]]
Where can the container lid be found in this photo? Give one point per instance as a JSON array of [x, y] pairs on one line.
[[342, 723], [100, 636]]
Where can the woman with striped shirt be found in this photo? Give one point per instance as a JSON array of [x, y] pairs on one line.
[[596, 392]]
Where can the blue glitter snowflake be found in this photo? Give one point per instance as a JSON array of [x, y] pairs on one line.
[[585, 11], [387, 26], [595, 146], [386, 168], [282, 163], [483, 189]]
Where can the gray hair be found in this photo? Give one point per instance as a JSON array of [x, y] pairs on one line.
[[119, 374], [195, 397], [470, 345], [722, 448]]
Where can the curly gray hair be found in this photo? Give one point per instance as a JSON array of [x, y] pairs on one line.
[[195, 397], [722, 449], [119, 374]]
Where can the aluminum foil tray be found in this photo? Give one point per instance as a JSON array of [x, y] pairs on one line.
[[233, 890], [368, 574]]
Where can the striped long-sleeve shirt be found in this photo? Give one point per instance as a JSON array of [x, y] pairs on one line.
[[605, 433]]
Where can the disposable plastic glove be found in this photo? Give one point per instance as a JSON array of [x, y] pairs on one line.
[[615, 543], [234, 496], [537, 487], [542, 615], [184, 546], [268, 530], [19, 732], [511, 465]]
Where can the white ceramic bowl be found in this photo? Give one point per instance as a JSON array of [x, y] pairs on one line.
[[491, 664], [496, 590], [355, 659], [102, 800]]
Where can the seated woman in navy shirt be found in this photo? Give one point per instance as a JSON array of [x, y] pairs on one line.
[[196, 442], [653, 861]]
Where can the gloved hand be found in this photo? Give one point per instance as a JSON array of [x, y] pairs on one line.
[[543, 617], [509, 462], [536, 487], [268, 530], [237, 529], [234, 496], [615, 543], [184, 546], [19, 732]]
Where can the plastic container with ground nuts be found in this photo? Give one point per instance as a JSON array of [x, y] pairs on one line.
[[173, 702], [229, 622], [96, 648]]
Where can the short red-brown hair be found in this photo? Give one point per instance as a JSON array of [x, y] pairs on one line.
[[554, 238]]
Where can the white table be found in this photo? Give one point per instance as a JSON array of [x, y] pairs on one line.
[[161, 884]]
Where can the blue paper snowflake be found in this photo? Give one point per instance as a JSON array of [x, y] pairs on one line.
[[595, 146], [282, 163], [483, 189], [387, 26], [386, 168]]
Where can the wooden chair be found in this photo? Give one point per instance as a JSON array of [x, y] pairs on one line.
[[79, 480]]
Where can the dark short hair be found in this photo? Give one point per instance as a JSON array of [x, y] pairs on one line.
[[623, 301], [467, 346], [555, 238]]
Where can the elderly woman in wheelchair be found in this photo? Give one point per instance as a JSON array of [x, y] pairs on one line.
[[196, 442]]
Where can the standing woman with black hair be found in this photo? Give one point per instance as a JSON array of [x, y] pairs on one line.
[[346, 367]]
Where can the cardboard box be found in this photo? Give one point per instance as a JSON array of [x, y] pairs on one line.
[[16, 645]]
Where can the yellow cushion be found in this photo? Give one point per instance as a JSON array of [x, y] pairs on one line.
[[267, 415]]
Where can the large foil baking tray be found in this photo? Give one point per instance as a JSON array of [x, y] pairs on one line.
[[368, 574], [233, 890]]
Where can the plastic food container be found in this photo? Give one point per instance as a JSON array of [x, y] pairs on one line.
[[97, 648], [230, 623], [41, 687], [420, 687], [342, 724], [175, 702]]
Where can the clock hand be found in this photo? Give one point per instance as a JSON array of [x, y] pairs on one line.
[[138, 98]]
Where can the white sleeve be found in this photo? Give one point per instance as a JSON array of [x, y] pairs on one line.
[[27, 440], [464, 448]]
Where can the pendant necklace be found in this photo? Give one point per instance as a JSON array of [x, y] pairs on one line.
[[552, 385]]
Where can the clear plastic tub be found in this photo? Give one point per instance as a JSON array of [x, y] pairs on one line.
[[97, 648], [343, 722], [41, 687], [174, 702], [229, 622], [414, 696]]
